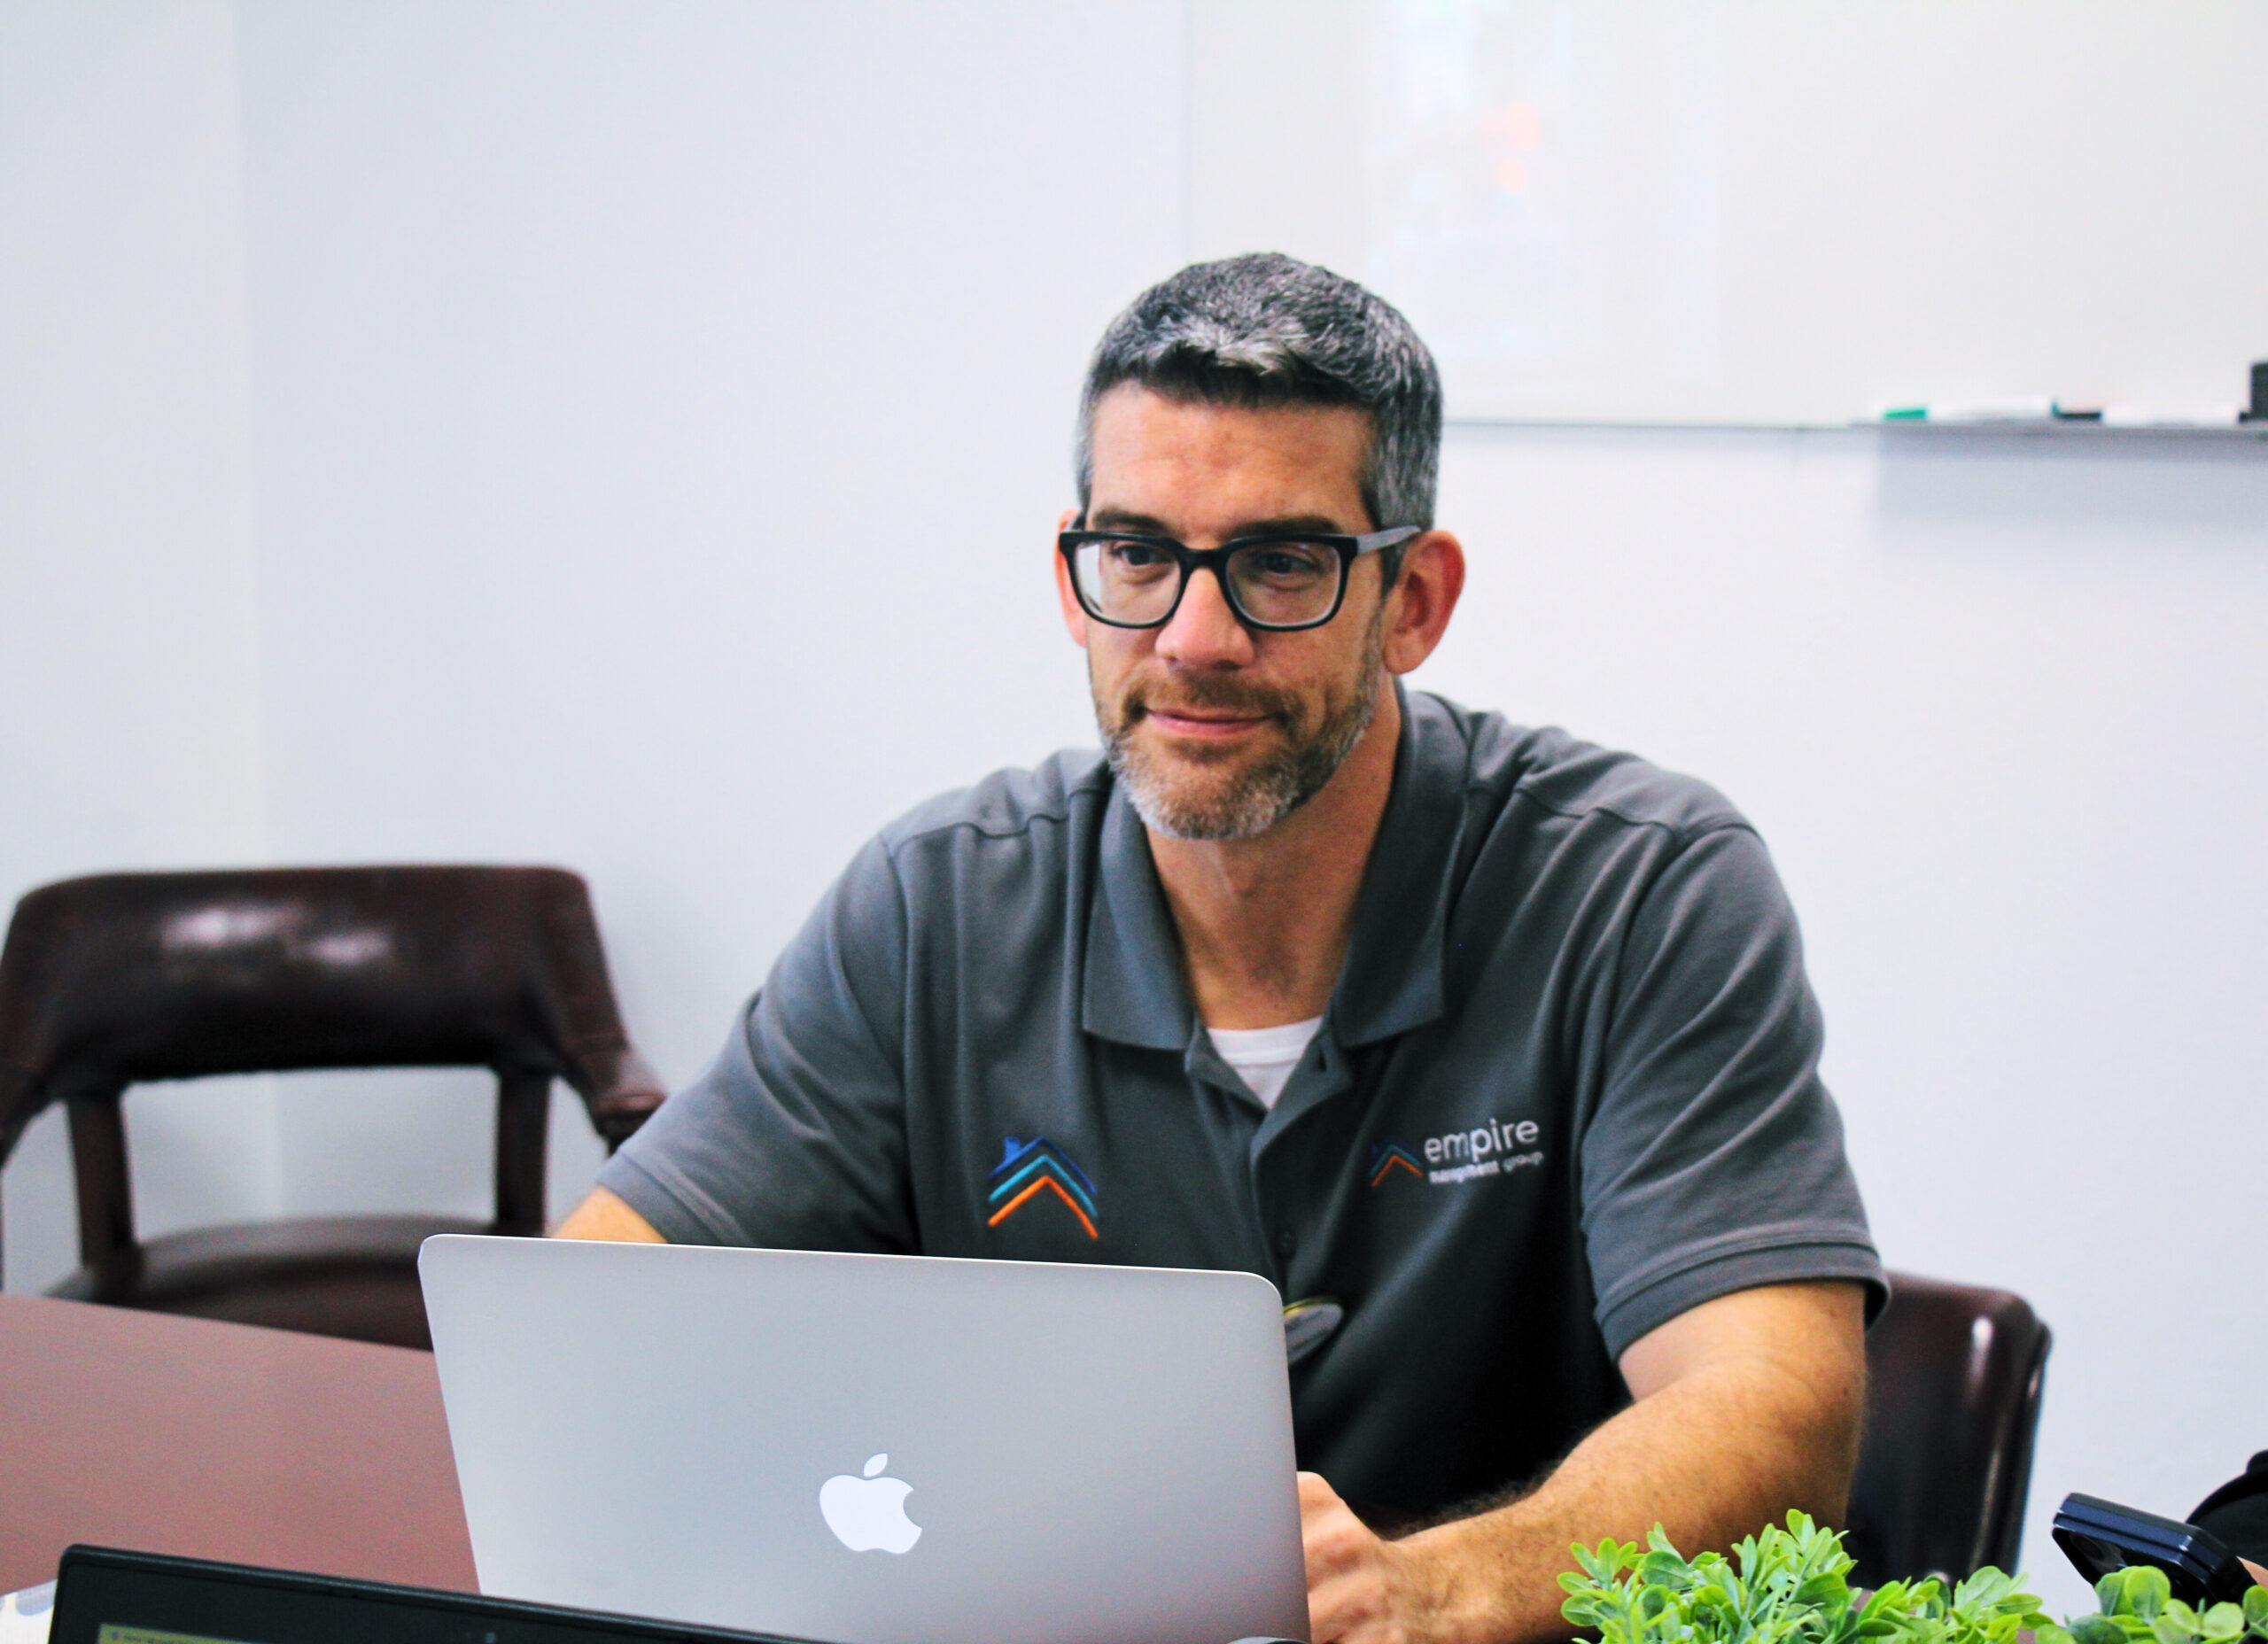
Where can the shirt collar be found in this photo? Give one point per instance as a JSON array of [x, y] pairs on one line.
[[1392, 980], [1135, 993]]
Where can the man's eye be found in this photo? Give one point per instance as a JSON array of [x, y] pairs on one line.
[[1135, 555], [1285, 562]]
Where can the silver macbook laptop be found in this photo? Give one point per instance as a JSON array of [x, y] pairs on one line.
[[872, 1449]]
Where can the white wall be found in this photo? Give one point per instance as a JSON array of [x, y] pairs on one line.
[[656, 416], [660, 433], [130, 721], [605, 361]]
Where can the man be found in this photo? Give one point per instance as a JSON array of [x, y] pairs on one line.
[[1491, 1049]]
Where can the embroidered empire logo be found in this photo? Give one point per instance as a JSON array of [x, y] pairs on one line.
[[1455, 1156], [1029, 1169]]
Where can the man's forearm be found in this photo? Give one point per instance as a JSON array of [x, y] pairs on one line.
[[1707, 1458], [1728, 1432], [603, 1215]]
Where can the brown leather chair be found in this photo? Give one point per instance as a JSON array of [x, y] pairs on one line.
[[122, 978], [1952, 1404]]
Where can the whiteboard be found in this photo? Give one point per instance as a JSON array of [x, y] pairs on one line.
[[1775, 212]]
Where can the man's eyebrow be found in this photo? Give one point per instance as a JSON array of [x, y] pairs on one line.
[[1121, 519], [1289, 525], [1295, 525]]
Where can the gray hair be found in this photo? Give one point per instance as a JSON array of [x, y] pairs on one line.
[[1266, 329]]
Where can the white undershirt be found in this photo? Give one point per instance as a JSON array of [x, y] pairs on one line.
[[1264, 1057]]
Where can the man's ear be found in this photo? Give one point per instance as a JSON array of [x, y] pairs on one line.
[[1424, 598], [1075, 616]]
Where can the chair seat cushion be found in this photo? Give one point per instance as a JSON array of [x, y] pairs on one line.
[[354, 1276]]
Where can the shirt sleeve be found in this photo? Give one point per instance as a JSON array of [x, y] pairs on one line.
[[1713, 1161], [794, 1138]]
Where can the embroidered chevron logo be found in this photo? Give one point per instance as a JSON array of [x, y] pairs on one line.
[[1027, 1169], [1385, 1155]]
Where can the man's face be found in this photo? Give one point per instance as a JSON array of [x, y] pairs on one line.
[[1218, 730]]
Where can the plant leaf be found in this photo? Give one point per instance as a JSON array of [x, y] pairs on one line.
[[2144, 1591], [1790, 1583], [2167, 1628], [2097, 1629], [2222, 1623]]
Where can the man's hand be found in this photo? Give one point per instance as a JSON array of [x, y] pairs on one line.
[[1361, 1588], [1745, 1407]]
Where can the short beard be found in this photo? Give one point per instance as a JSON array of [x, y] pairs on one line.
[[1251, 801]]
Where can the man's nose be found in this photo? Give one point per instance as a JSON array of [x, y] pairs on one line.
[[1203, 632]]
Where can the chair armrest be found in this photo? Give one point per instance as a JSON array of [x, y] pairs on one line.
[[623, 1093]]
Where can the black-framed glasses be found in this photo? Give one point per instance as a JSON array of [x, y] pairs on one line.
[[1280, 584]]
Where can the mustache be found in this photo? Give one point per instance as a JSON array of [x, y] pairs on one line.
[[1200, 691]]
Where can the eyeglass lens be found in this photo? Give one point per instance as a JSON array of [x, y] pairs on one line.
[[1277, 583]]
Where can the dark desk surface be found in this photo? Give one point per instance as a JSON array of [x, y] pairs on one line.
[[177, 1435]]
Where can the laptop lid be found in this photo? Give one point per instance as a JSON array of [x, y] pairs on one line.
[[872, 1449], [106, 1595]]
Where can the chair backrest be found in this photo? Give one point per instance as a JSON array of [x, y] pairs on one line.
[[1952, 1403], [122, 978]]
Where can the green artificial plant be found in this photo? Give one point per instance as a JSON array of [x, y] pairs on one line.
[[2138, 1607], [1793, 1584]]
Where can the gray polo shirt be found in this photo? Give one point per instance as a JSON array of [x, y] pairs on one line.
[[1565, 1090]]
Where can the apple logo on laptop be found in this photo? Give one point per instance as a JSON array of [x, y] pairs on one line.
[[868, 1513]]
